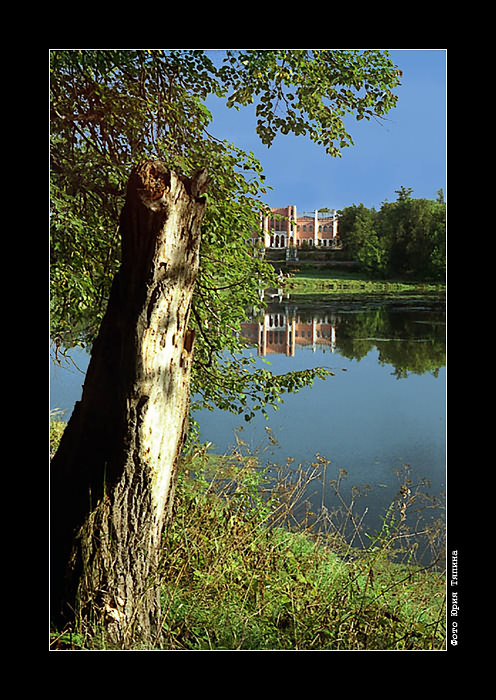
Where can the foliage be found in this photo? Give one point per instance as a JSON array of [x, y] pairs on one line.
[[113, 108], [238, 573], [309, 92], [404, 237], [57, 428]]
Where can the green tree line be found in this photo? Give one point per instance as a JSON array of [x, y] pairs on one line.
[[405, 237]]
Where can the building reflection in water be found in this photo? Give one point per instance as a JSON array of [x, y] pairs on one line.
[[282, 330]]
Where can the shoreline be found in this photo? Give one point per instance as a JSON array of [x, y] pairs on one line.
[[313, 286]]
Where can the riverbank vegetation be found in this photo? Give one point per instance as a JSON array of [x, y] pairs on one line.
[[306, 279], [239, 572]]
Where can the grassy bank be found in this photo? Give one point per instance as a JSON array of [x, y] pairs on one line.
[[308, 280], [238, 573]]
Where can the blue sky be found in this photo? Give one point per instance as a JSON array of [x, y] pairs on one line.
[[408, 149]]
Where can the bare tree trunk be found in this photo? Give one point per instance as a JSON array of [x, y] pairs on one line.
[[112, 477]]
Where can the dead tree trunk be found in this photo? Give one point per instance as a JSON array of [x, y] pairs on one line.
[[112, 477]]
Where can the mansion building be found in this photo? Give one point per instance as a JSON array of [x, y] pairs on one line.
[[287, 228]]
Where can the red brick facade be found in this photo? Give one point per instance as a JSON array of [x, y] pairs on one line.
[[317, 229]]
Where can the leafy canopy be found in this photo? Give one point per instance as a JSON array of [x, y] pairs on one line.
[[112, 108], [404, 237]]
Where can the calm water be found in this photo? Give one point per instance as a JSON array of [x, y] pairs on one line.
[[385, 406]]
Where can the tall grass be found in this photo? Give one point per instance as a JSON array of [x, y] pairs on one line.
[[242, 572], [247, 565]]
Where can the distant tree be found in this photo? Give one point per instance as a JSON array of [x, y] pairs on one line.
[[374, 256], [413, 231], [404, 193], [407, 236], [353, 227]]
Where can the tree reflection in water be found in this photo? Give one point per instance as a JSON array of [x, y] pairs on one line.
[[411, 339]]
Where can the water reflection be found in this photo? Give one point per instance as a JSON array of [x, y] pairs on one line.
[[281, 331], [412, 340], [363, 420]]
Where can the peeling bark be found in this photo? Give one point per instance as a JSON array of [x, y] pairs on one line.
[[112, 478]]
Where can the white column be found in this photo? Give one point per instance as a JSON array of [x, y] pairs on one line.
[[334, 224], [263, 344], [315, 228]]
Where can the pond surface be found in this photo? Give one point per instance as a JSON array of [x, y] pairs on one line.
[[383, 408]]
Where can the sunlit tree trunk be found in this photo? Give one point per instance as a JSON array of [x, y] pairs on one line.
[[112, 478]]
